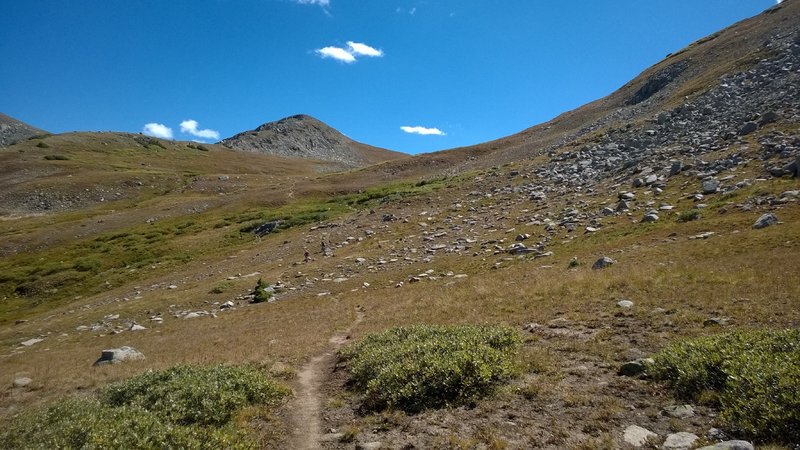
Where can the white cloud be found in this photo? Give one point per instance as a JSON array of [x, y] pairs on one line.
[[423, 131], [350, 54], [357, 48], [190, 127], [323, 3], [157, 130], [337, 53]]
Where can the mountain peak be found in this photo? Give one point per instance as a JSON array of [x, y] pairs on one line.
[[13, 130], [303, 136]]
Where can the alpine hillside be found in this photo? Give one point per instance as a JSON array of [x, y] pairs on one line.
[[623, 276]]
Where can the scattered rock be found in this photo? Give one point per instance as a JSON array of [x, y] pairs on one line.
[[710, 186], [22, 382], [637, 436], [603, 262], [625, 304], [704, 235], [729, 445], [675, 168], [30, 342], [748, 128], [369, 446], [680, 441], [634, 368], [716, 321], [650, 217], [764, 221], [117, 355], [678, 411], [136, 327]]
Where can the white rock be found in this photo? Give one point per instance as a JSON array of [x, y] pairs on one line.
[[637, 436], [680, 441]]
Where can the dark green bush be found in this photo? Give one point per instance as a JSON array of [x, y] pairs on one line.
[[419, 367], [689, 215], [261, 293], [188, 395], [752, 376], [42, 144]]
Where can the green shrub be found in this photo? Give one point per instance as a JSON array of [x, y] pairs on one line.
[[688, 216], [42, 144], [189, 395], [88, 424], [419, 367], [182, 407], [222, 287], [752, 376], [56, 157], [262, 292]]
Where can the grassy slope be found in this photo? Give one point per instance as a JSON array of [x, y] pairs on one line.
[[195, 244]]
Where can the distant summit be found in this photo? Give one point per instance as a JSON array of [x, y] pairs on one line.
[[303, 136], [13, 131]]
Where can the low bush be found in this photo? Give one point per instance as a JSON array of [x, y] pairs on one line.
[[419, 367], [689, 215], [188, 395], [752, 376], [182, 407], [88, 424]]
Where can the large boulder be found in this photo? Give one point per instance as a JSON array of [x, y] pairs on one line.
[[117, 355], [765, 221], [637, 437], [603, 262]]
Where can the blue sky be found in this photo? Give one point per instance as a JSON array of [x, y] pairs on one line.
[[473, 70]]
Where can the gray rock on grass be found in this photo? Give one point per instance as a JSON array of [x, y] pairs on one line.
[[680, 441], [117, 355], [603, 262], [764, 221], [637, 436]]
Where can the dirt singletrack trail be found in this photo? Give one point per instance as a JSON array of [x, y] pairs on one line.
[[305, 408]]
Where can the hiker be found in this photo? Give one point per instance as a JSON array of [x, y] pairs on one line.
[[305, 256]]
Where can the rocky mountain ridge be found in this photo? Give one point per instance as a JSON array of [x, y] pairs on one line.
[[303, 136], [13, 131]]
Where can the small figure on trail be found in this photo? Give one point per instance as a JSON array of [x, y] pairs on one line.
[[305, 256], [324, 248]]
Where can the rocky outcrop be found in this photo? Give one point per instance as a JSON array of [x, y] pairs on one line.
[[13, 131]]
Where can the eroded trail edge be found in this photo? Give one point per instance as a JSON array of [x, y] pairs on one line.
[[306, 407]]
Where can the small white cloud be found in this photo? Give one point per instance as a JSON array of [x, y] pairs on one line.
[[157, 130], [423, 131], [323, 3], [357, 48], [190, 127], [337, 53]]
